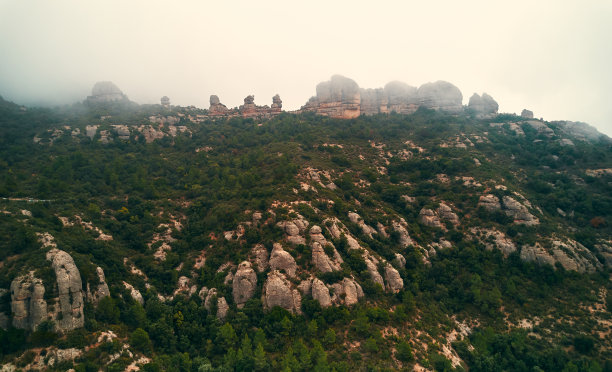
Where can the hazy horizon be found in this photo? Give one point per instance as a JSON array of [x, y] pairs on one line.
[[548, 57]]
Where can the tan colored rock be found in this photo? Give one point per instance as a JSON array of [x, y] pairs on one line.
[[394, 281], [222, 306], [348, 292], [527, 114], [277, 292], [400, 260], [70, 291], [440, 95], [28, 305], [260, 257], [499, 240], [321, 260], [519, 212], [373, 271], [356, 219], [320, 293], [427, 217], [489, 202], [101, 290], [282, 260], [244, 284], [134, 293], [404, 238], [446, 213]]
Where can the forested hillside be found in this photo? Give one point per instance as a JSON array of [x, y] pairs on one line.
[[136, 235]]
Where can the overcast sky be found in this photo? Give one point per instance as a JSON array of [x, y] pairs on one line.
[[553, 57]]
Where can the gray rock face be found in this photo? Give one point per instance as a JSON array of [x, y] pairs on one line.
[[320, 293], [347, 292], [494, 239], [216, 107], [321, 260], [134, 293], [222, 306], [277, 292], [373, 271], [527, 114], [446, 213], [404, 238], [484, 106], [244, 284], [356, 219], [570, 254], [536, 253], [277, 103], [282, 260], [373, 101], [400, 260], [260, 256], [27, 302], [440, 95], [165, 101], [427, 217], [105, 91], [101, 290], [402, 97], [489, 202], [519, 212], [394, 281], [70, 290]]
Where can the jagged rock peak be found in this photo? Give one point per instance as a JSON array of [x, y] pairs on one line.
[[484, 105]]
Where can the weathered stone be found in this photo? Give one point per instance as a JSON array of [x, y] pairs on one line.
[[320, 293], [356, 219], [440, 95], [373, 271], [484, 106], [527, 114], [260, 254], [446, 213], [489, 202], [282, 260], [495, 239], [134, 293], [216, 107], [518, 212], [244, 284], [70, 291], [427, 217], [277, 292], [348, 291], [104, 92], [404, 238], [321, 260], [277, 103], [400, 260], [27, 302], [402, 98], [165, 101], [101, 290], [222, 306], [337, 98], [394, 281], [536, 253]]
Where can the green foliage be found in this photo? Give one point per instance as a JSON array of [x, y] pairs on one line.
[[140, 341]]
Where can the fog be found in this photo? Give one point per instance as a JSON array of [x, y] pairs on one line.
[[552, 57]]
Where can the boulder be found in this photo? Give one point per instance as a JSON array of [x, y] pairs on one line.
[[402, 98], [400, 260], [222, 306], [404, 238], [134, 293], [216, 107], [347, 292], [277, 103], [27, 302], [484, 106], [244, 284], [282, 260], [70, 291], [320, 293], [427, 217], [527, 114], [394, 281], [277, 292], [338, 98], [446, 213], [101, 290], [321, 260], [165, 101]]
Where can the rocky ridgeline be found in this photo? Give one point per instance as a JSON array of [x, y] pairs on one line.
[[248, 110], [30, 307], [341, 97]]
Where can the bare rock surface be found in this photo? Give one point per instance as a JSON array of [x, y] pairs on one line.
[[28, 305], [404, 237], [347, 292], [483, 106], [222, 306], [356, 219], [244, 284], [135, 293], [429, 218], [104, 92], [277, 292], [260, 257], [321, 293], [394, 281], [101, 290], [495, 239], [282, 260], [519, 212], [440, 95], [70, 291], [489, 202]]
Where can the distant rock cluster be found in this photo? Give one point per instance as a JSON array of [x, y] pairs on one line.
[[341, 97], [104, 92], [248, 110]]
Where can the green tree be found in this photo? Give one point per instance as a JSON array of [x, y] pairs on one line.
[[140, 341], [107, 311]]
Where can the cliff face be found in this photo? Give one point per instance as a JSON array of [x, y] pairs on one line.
[[342, 98]]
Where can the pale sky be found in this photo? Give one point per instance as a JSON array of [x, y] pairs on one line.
[[553, 57]]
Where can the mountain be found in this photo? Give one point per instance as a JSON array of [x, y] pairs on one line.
[[373, 229]]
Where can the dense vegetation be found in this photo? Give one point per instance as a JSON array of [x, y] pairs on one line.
[[128, 188]]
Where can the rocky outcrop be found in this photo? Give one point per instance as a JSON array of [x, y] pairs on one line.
[[27, 302], [277, 292], [440, 95], [527, 114], [429, 218], [337, 98], [494, 239], [401, 97], [165, 101], [347, 292], [489, 202], [400, 260], [394, 281], [134, 293], [282, 260], [484, 107], [70, 291], [356, 219], [404, 238], [100, 290], [105, 92], [244, 284], [320, 293], [222, 307], [536, 253], [216, 107], [259, 253], [321, 260], [518, 212], [294, 230], [247, 110], [277, 103], [446, 213], [373, 271]]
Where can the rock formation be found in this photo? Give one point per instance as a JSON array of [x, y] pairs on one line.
[[280, 259], [259, 255], [247, 110], [27, 302], [401, 97], [277, 103], [489, 202], [348, 292], [104, 92], [244, 283], [222, 306], [429, 218], [394, 281], [440, 95], [216, 107], [320, 293], [101, 290], [70, 291], [165, 101], [277, 292], [134, 293], [484, 107], [527, 114], [518, 212]]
